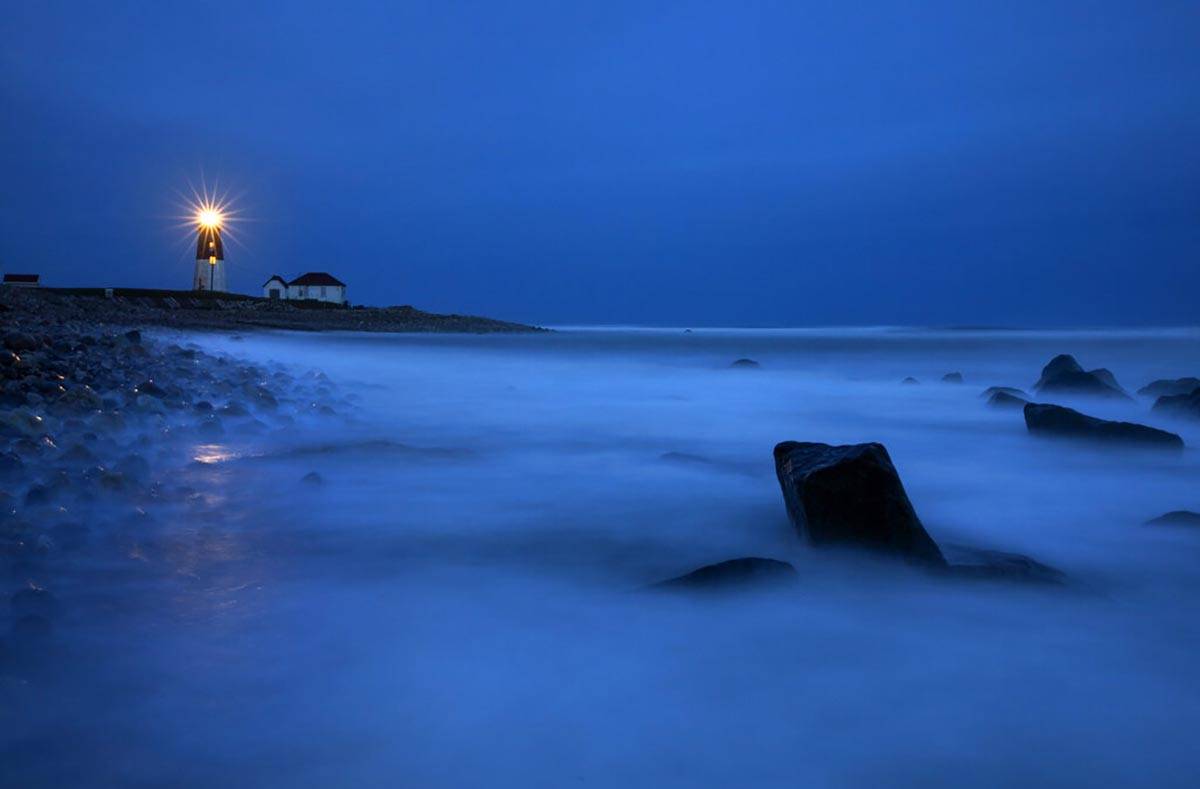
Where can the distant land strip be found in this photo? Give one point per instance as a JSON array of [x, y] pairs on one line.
[[189, 309]]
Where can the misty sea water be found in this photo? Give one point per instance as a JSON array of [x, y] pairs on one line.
[[462, 602]]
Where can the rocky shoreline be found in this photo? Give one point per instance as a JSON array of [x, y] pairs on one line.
[[103, 441], [231, 311]]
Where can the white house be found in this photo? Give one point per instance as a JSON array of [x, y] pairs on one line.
[[315, 286], [275, 288]]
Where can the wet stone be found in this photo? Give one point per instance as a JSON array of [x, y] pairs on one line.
[[151, 389]]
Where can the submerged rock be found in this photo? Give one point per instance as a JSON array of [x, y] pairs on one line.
[[988, 393], [910, 381], [746, 363], [312, 478], [1064, 375], [1170, 386], [851, 496], [1055, 420], [952, 378], [1006, 400], [685, 458], [1176, 518], [987, 565], [745, 572], [1187, 405]]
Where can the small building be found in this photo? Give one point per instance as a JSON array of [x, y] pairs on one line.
[[275, 288], [317, 286], [22, 280]]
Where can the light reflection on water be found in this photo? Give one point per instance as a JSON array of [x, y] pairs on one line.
[[211, 453]]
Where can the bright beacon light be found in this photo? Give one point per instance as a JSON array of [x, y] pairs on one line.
[[209, 217]]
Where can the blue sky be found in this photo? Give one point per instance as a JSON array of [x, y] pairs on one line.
[[704, 163]]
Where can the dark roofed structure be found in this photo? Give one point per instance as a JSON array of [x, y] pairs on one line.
[[28, 280], [317, 278], [273, 278]]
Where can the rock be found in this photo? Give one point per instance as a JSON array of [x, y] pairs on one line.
[[1186, 405], [745, 363], [740, 573], [151, 389], [987, 565], [1170, 386], [80, 398], [851, 496], [10, 465], [312, 478], [1063, 363], [685, 458], [1176, 518], [79, 455], [203, 407], [21, 422], [113, 480], [133, 337], [952, 378], [33, 601], [38, 495], [133, 466], [1006, 400], [1064, 375], [910, 381], [20, 341], [1055, 420], [1008, 390]]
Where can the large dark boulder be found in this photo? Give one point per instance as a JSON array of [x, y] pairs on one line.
[[851, 496], [745, 364], [1055, 420], [1187, 405], [1064, 375], [750, 571], [1170, 386], [952, 378]]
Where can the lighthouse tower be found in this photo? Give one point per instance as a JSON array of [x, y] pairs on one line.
[[210, 254]]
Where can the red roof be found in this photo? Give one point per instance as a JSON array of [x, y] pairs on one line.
[[317, 278], [21, 277]]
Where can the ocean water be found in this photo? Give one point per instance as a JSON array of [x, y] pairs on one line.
[[462, 602]]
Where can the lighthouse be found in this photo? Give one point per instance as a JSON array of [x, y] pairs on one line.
[[210, 252]]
